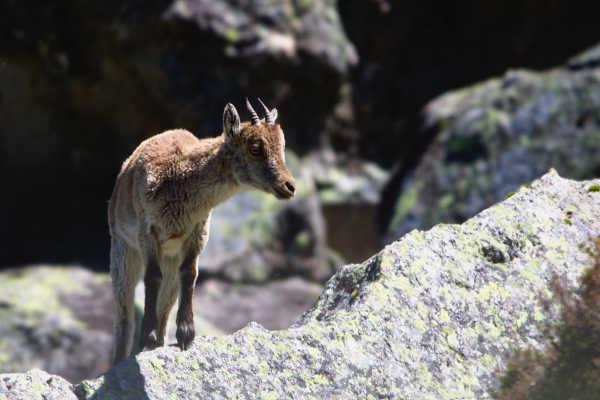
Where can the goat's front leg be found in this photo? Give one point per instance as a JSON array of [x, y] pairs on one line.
[[167, 296], [188, 272]]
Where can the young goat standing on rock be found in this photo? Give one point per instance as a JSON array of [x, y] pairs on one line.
[[159, 215]]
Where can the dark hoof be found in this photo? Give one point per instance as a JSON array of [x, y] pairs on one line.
[[149, 340], [185, 335]]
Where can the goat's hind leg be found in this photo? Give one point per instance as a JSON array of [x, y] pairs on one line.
[[149, 339], [125, 270]]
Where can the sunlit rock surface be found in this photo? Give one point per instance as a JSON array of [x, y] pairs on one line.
[[35, 384], [430, 316]]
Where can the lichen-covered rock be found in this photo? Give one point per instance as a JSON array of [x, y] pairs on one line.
[[500, 134], [60, 318], [430, 316], [57, 319], [35, 384]]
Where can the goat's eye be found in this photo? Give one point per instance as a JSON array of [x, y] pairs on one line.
[[255, 150]]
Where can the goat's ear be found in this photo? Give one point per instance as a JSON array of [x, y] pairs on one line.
[[231, 121], [274, 114]]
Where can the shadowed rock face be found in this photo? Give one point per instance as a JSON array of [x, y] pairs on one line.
[[283, 28], [81, 85], [413, 51], [430, 315]]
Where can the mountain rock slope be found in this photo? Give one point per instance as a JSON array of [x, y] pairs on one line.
[[431, 316]]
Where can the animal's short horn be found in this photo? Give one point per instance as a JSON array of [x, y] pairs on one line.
[[255, 119], [268, 117]]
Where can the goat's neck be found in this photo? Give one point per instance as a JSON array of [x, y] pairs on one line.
[[211, 163]]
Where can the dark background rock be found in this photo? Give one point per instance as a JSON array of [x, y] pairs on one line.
[[495, 136], [413, 51], [410, 52], [276, 305], [82, 84]]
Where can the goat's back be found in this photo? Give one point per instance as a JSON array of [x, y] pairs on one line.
[[149, 174]]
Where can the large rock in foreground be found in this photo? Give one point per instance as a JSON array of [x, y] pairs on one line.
[[430, 316]]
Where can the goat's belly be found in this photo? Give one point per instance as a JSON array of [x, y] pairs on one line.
[[171, 247]]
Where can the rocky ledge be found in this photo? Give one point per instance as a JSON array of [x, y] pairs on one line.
[[431, 316]]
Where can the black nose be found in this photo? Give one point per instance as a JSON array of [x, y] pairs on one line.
[[290, 187]]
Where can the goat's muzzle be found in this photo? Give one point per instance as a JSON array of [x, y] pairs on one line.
[[286, 190]]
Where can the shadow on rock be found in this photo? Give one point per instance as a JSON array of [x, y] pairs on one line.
[[107, 386]]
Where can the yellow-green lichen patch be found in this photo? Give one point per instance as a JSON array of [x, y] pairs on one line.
[[444, 316], [271, 395], [556, 250], [452, 340], [158, 370], [319, 379], [263, 367]]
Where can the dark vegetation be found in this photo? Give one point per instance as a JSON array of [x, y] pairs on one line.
[[568, 367]]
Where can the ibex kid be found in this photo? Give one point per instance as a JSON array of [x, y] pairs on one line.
[[159, 216]]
